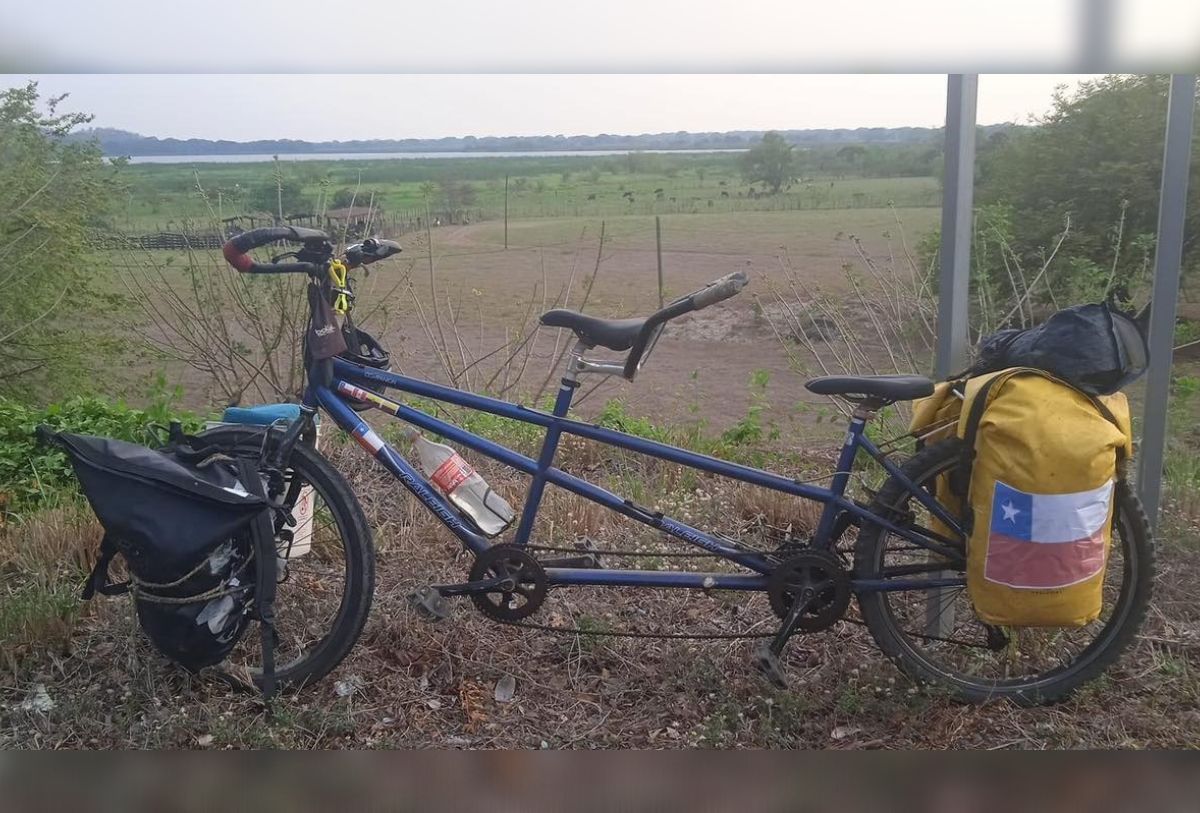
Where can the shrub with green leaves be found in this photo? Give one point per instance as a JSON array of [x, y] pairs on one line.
[[52, 192], [33, 475]]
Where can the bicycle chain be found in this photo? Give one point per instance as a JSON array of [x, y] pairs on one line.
[[682, 636], [678, 636]]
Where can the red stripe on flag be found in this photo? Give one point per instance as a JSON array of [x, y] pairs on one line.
[[1043, 566]]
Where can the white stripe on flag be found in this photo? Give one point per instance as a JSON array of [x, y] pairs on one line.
[[1070, 517]]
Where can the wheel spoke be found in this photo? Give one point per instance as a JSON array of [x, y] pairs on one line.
[[936, 634], [323, 595]]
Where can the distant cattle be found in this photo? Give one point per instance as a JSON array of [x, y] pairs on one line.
[[720, 183], [592, 196], [724, 194]]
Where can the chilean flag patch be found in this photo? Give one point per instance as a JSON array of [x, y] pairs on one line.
[[1046, 541]]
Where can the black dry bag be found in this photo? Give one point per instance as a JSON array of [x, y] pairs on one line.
[[182, 522], [1094, 348]]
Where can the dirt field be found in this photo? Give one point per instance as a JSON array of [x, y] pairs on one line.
[[702, 366]]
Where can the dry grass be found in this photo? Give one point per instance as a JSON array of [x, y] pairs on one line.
[[41, 571], [421, 685]]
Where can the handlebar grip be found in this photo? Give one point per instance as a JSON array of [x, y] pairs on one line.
[[235, 250], [723, 288]]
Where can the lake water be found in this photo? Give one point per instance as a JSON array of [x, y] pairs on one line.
[[249, 158]]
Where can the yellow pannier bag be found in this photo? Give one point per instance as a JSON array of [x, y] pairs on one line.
[[936, 418], [1042, 489]]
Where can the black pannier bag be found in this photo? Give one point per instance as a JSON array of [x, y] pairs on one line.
[[185, 524], [1093, 347]]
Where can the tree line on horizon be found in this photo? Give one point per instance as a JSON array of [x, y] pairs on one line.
[[115, 142]]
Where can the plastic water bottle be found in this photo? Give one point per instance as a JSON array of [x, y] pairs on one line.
[[462, 485]]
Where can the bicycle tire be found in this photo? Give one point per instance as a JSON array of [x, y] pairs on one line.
[[313, 468], [1131, 529]]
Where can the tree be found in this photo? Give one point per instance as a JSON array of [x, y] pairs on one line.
[[457, 195], [1096, 157], [342, 198], [772, 162], [284, 194], [52, 194]]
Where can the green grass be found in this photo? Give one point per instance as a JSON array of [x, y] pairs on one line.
[[167, 196]]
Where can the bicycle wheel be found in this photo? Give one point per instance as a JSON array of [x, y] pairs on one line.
[[935, 637], [325, 592]]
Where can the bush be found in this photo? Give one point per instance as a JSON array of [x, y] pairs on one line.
[[53, 192], [34, 476]]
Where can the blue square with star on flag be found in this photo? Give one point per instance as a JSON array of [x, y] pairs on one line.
[[1012, 512]]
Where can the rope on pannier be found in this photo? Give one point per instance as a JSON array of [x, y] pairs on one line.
[[138, 588]]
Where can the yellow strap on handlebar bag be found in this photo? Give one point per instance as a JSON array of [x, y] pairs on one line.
[[1042, 493]]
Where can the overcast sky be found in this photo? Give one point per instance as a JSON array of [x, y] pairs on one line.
[[323, 107]]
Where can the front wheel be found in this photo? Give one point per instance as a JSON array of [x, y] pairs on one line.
[[934, 636], [327, 563]]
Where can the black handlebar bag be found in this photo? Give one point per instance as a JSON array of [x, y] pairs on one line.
[[189, 522]]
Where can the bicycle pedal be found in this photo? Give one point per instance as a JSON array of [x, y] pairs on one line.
[[431, 607], [768, 663]]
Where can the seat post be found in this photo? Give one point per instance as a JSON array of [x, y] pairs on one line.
[[570, 380], [576, 363], [866, 408]]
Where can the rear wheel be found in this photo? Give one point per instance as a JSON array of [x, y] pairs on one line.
[[327, 574], [934, 636]]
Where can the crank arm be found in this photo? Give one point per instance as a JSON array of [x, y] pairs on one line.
[[471, 588]]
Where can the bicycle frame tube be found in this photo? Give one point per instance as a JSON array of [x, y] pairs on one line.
[[542, 472]]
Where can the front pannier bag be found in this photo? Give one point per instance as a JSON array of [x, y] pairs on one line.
[[183, 523], [1045, 458]]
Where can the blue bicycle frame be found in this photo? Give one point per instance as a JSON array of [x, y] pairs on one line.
[[838, 513]]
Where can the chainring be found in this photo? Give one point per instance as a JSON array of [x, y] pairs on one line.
[[820, 572], [525, 593]]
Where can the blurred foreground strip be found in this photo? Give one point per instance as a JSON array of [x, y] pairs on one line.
[[958, 783]]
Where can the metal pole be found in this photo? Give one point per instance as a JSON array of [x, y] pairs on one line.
[[1168, 256], [958, 196], [1096, 41], [658, 245]]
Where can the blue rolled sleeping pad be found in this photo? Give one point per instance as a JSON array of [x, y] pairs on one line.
[[263, 415]]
